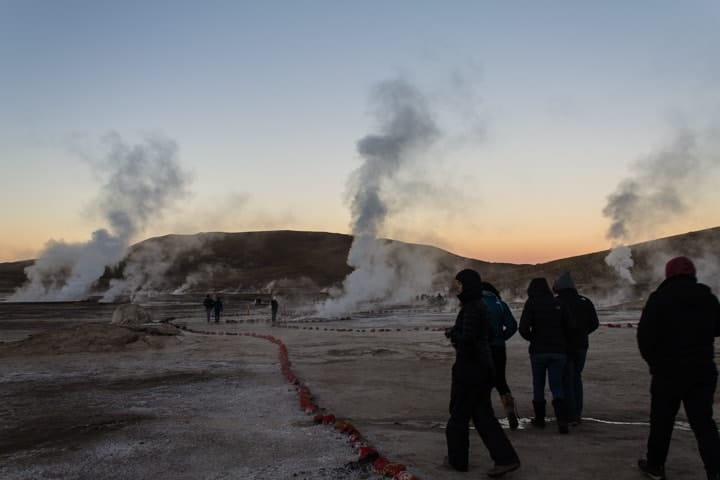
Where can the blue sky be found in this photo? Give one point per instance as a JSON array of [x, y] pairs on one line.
[[544, 106]]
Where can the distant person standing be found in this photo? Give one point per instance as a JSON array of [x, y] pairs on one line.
[[208, 304], [580, 320], [472, 382], [504, 326], [274, 307], [676, 337], [218, 307], [541, 323]]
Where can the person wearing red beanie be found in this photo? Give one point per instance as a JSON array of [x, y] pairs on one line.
[[676, 337], [679, 266]]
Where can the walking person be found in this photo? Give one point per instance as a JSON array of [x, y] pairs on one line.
[[472, 383], [541, 323], [208, 304], [581, 320], [676, 337], [218, 308], [504, 326], [274, 305]]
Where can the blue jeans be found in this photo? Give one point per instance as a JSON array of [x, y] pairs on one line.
[[573, 383], [554, 365]]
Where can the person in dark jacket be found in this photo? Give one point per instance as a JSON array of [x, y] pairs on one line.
[[472, 382], [676, 336], [218, 307], [208, 304], [274, 305], [504, 326], [541, 323], [581, 320]]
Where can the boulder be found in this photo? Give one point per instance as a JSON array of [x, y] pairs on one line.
[[130, 314]]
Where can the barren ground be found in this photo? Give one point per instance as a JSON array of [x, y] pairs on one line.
[[85, 400]]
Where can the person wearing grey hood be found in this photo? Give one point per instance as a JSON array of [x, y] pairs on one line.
[[581, 320]]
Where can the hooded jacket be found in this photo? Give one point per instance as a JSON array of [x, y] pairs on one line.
[[579, 314], [502, 321], [471, 333], [677, 329], [541, 321]]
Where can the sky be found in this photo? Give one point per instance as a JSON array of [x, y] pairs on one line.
[[559, 128]]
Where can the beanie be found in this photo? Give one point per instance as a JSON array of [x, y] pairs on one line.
[[679, 266]]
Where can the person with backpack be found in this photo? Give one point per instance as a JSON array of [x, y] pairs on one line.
[[504, 326], [581, 320]]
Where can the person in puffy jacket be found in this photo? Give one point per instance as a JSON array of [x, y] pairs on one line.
[[581, 320], [541, 323], [472, 382], [504, 326], [676, 337]]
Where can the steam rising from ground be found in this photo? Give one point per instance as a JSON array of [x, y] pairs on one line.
[[407, 128], [142, 180], [663, 187], [146, 268]]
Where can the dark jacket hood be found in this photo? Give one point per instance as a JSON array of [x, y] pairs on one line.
[[564, 282], [489, 287], [538, 287], [472, 285]]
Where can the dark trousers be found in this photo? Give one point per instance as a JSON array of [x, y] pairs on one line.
[[499, 357], [572, 382], [208, 311], [468, 402], [552, 364], [696, 395]]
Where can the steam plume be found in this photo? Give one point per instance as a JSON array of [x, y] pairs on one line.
[[658, 192], [142, 180], [406, 128]]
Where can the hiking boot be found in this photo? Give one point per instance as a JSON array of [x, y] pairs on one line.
[[447, 465], [539, 407], [561, 415], [500, 470], [509, 403], [656, 473]]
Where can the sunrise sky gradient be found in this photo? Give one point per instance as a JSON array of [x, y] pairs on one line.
[[544, 109]]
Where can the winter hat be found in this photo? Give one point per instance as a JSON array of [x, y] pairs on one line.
[[679, 266], [563, 282]]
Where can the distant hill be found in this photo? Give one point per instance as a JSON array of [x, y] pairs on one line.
[[12, 274], [313, 261], [289, 260]]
